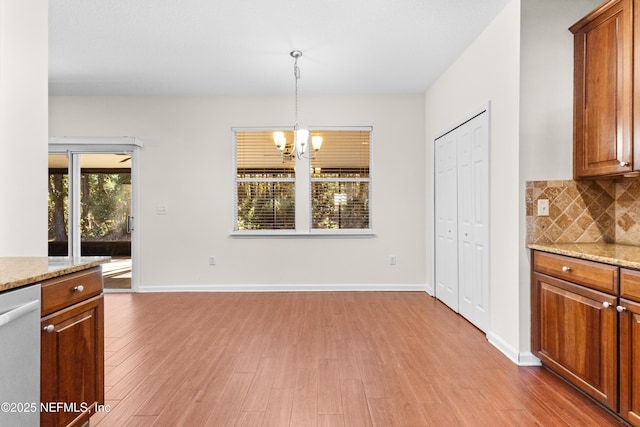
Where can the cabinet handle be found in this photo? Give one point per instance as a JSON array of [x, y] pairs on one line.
[[79, 288], [48, 328], [624, 164], [566, 268], [620, 309], [606, 304]]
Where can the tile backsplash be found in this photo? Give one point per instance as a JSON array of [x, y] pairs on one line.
[[606, 211]]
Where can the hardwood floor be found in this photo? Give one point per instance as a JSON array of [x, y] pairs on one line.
[[317, 359]]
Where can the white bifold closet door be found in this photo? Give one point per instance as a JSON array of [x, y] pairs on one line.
[[462, 219]]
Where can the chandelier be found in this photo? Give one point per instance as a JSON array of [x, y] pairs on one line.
[[301, 134]]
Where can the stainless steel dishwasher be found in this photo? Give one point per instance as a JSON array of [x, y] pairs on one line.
[[20, 357]]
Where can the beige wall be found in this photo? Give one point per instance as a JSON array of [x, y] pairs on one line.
[[523, 64], [546, 111], [186, 164], [23, 127], [488, 71]]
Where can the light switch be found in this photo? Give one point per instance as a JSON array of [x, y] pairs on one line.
[[543, 207], [161, 210]]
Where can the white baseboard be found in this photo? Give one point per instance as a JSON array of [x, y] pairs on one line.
[[429, 289], [520, 359], [528, 359], [284, 288]]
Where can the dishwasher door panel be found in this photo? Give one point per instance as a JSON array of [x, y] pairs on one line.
[[20, 357]]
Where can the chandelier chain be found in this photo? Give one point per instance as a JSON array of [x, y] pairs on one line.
[[296, 73]]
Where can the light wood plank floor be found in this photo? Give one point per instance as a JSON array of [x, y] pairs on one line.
[[317, 359]]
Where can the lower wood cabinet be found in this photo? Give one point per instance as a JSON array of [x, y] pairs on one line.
[[586, 327], [630, 361], [72, 350], [577, 336], [629, 309]]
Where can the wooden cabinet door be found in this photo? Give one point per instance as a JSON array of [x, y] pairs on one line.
[[577, 335], [603, 91], [630, 361], [72, 366]]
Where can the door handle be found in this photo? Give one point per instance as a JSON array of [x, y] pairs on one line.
[[129, 224], [18, 312]]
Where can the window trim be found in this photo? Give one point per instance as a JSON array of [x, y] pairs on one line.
[[303, 180]]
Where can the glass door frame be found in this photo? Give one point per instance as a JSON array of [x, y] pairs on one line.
[[73, 147]]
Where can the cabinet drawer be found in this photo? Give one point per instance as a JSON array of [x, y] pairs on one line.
[[602, 277], [630, 284], [69, 289]]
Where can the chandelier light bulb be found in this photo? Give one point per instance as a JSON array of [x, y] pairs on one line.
[[302, 140], [280, 141], [316, 142]]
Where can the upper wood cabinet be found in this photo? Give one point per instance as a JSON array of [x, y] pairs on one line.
[[603, 116]]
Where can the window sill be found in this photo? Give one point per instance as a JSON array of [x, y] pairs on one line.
[[303, 234]]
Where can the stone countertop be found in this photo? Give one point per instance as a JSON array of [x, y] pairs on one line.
[[608, 253], [20, 271]]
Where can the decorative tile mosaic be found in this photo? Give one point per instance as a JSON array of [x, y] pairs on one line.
[[601, 211]]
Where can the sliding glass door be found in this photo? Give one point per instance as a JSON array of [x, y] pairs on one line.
[[91, 201], [58, 205]]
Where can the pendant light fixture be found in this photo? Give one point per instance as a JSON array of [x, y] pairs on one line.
[[301, 135]]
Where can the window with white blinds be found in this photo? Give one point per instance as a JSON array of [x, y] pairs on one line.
[[340, 180], [264, 183], [335, 190]]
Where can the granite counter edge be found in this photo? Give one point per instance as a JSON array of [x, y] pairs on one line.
[[39, 277]]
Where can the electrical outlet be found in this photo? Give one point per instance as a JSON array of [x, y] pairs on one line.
[[543, 207]]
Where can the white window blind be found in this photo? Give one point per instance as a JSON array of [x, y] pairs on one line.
[[340, 180], [265, 184], [333, 186]]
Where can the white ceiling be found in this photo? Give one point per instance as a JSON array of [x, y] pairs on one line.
[[192, 47]]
